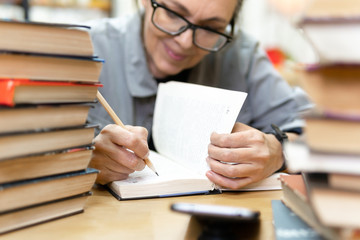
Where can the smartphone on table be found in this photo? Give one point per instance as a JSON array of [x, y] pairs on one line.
[[222, 222]]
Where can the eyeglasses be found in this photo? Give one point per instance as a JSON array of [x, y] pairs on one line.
[[174, 24]]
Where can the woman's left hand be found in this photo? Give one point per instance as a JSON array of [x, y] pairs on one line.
[[245, 156]]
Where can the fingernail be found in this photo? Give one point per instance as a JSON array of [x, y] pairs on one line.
[[209, 173]]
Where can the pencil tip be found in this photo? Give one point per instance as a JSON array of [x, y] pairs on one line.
[[157, 173]]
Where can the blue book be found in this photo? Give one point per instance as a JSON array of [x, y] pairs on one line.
[[289, 226]]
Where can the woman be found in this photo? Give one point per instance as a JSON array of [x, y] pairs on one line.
[[193, 41]]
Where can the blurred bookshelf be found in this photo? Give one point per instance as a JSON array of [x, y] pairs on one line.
[[12, 9], [56, 11]]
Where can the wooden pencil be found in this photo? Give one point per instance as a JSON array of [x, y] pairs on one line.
[[117, 121]]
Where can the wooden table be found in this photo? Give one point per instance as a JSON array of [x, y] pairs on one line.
[[107, 218]]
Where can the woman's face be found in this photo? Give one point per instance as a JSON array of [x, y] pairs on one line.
[[169, 55]]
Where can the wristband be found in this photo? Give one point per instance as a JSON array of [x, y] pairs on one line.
[[281, 137]]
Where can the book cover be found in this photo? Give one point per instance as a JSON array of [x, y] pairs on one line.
[[44, 212], [333, 134], [288, 225], [34, 117], [49, 67], [333, 207], [25, 91], [20, 194], [51, 38], [295, 198], [332, 87], [344, 181], [45, 164], [25, 143]]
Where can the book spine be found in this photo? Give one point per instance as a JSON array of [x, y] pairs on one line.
[[7, 90]]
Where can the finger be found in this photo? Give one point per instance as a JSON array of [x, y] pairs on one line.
[[121, 159], [245, 138], [227, 182], [117, 155], [138, 130], [239, 136], [239, 127], [124, 160], [113, 176], [231, 155], [135, 141], [231, 170], [233, 140], [106, 175]]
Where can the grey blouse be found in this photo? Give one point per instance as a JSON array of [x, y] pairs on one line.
[[131, 90]]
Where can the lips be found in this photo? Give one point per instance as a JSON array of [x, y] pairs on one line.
[[173, 55]]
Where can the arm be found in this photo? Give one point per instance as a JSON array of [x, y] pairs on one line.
[[270, 100], [119, 152]]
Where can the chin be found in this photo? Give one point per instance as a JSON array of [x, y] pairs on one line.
[[168, 69]]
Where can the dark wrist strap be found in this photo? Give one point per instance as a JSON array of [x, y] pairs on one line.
[[281, 137]]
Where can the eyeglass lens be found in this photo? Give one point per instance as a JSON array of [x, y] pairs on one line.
[[173, 24]]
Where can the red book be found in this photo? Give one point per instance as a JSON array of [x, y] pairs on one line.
[[25, 91]]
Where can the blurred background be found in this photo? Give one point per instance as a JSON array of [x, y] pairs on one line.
[[272, 22]]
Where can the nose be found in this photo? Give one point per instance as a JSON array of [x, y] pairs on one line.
[[185, 39]]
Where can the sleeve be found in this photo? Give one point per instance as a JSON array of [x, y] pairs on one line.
[[272, 100], [101, 33]]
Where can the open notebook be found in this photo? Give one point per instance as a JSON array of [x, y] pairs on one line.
[[184, 118]]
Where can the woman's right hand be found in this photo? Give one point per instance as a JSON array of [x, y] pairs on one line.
[[119, 152]]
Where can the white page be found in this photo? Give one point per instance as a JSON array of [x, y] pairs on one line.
[[186, 115], [172, 179], [300, 158], [167, 170]]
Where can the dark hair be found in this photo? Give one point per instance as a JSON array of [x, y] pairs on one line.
[[237, 10]]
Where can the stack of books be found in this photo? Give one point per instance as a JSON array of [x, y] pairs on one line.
[[329, 155], [48, 82]]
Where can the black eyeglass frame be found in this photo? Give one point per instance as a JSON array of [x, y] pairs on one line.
[[191, 26]]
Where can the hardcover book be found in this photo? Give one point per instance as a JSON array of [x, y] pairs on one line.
[[49, 67], [37, 37], [44, 212], [295, 197], [25, 91], [184, 118], [16, 195], [333, 134], [45, 164], [333, 206], [34, 117], [26, 143], [333, 87], [288, 225]]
